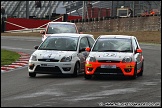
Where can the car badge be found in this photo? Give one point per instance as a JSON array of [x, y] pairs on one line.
[[49, 55]]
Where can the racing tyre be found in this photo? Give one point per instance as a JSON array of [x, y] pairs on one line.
[[135, 72], [76, 70], [141, 72], [32, 74], [87, 76]]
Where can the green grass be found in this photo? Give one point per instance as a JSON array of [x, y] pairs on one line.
[[8, 57]]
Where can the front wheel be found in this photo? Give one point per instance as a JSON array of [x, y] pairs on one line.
[[87, 76], [32, 74], [76, 70], [141, 72], [135, 72]]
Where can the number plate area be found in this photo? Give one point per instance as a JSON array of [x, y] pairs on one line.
[[47, 65], [109, 66]]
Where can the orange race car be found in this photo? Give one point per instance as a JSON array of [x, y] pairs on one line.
[[115, 55]]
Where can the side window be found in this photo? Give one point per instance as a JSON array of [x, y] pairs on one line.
[[137, 43], [91, 41], [83, 43], [134, 44]]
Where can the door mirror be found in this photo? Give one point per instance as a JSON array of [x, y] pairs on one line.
[[36, 47], [42, 32], [139, 51], [88, 49], [82, 49]]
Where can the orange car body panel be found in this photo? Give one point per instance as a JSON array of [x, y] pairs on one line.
[[120, 65]]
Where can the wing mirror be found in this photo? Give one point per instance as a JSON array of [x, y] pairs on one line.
[[88, 49], [139, 51], [36, 47], [82, 49], [42, 32]]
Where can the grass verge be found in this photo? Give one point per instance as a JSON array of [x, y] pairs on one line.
[[8, 57]]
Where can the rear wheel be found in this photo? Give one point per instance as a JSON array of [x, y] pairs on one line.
[[32, 74], [76, 70]]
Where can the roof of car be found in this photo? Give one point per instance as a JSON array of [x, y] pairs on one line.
[[62, 22], [116, 36], [71, 34]]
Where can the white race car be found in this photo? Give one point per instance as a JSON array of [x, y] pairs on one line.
[[62, 53], [59, 27]]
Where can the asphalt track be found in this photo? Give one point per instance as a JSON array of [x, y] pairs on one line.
[[19, 90]]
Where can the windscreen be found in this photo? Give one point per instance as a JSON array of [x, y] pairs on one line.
[[113, 45], [61, 43], [61, 28]]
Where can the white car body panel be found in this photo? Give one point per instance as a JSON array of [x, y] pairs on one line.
[[110, 55]]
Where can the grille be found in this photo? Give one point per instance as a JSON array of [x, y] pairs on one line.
[[108, 61], [116, 71], [55, 69], [48, 60]]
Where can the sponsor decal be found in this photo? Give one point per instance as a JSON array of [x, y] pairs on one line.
[[88, 65], [109, 55], [129, 66]]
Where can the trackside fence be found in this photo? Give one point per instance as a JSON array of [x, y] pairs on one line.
[[149, 23]]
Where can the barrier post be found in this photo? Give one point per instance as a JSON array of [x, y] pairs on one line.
[[65, 17], [3, 24]]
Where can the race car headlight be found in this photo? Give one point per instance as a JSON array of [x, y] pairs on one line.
[[91, 59], [66, 59], [127, 59], [33, 57]]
